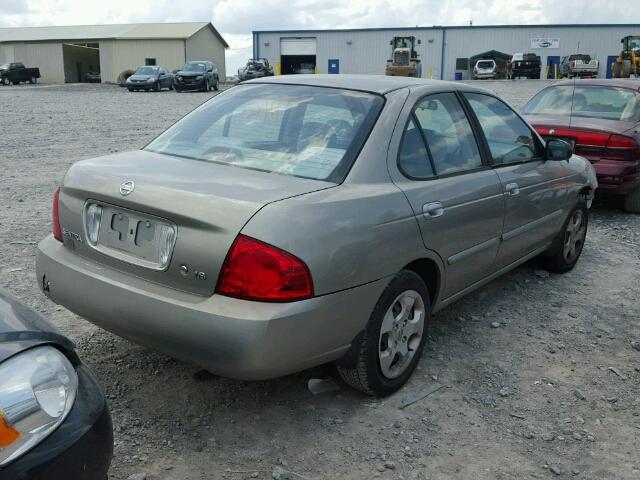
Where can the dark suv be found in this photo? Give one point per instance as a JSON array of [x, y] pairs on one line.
[[196, 75]]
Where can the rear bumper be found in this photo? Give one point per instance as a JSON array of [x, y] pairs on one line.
[[617, 177], [80, 449], [484, 75], [227, 336]]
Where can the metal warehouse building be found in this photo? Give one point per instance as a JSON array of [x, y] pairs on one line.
[[67, 54], [442, 50]]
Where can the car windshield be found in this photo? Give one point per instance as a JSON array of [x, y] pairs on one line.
[[485, 64], [194, 67], [609, 103], [147, 71], [310, 132]]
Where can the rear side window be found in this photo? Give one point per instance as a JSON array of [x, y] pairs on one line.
[[448, 133], [510, 139], [309, 132]]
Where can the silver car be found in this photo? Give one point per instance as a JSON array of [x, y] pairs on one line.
[[294, 221]]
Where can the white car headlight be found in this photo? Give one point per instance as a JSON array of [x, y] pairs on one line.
[[199, 77], [180, 77], [37, 390]]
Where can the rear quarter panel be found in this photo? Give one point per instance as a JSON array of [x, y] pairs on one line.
[[348, 236]]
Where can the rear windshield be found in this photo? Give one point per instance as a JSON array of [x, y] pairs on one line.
[[309, 132], [486, 64], [147, 71], [609, 103]]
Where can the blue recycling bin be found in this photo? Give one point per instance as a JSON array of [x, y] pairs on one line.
[[458, 76]]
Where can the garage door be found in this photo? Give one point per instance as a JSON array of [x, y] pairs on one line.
[[297, 46]]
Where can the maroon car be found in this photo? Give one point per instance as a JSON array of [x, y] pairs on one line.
[[601, 120]]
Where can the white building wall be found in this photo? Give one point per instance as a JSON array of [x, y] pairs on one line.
[[205, 45], [362, 52], [598, 41], [366, 51], [130, 54], [46, 56]]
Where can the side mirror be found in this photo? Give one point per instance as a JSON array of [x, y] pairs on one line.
[[557, 149]]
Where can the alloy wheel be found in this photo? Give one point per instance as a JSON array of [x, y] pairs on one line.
[[401, 333], [574, 236]]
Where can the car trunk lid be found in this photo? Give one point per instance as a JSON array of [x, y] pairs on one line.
[[206, 204]]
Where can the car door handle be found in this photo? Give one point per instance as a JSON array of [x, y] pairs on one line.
[[432, 209], [512, 189]]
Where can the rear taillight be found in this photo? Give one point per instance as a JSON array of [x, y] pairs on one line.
[[620, 147], [254, 270], [596, 144], [56, 230]]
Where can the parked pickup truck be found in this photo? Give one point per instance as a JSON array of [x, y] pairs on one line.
[[579, 65], [524, 65], [16, 72]]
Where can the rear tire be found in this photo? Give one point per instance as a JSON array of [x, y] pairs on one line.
[[626, 69], [567, 247], [632, 201], [384, 355], [216, 87], [616, 71]]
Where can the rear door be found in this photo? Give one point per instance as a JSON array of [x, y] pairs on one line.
[[456, 199], [535, 190]]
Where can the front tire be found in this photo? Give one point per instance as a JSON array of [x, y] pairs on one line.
[[567, 247], [385, 354], [632, 201]]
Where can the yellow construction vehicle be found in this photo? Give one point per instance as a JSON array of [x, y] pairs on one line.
[[628, 62], [404, 58]]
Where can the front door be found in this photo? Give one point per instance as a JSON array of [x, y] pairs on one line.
[[456, 199], [534, 189]]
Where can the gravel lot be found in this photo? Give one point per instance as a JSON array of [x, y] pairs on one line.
[[549, 391]]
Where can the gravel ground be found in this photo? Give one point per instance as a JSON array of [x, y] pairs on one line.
[[540, 372]]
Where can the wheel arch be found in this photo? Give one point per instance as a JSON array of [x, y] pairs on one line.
[[431, 273]]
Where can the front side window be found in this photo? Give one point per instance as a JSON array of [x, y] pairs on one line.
[[510, 139], [302, 131], [449, 136]]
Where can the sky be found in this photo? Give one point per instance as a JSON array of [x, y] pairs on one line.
[[236, 19]]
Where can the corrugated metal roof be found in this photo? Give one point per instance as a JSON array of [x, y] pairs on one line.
[[452, 27], [97, 32]]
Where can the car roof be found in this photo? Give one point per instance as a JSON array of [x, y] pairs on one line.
[[380, 84], [632, 83]]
